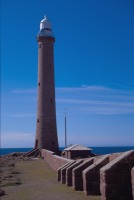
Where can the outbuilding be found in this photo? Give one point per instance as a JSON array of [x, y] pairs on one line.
[[77, 151]]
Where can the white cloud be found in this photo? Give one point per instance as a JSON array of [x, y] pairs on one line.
[[20, 115], [96, 100], [92, 99], [25, 91], [79, 101], [62, 89], [84, 88]]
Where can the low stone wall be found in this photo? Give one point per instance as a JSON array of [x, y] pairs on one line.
[[115, 178], [132, 178], [69, 172], [91, 176], [53, 160], [77, 174], [59, 171], [63, 172]]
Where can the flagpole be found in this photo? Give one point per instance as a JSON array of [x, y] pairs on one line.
[[65, 128]]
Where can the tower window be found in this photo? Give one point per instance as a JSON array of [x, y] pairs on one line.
[[37, 120], [39, 45], [51, 100], [36, 144], [39, 84]]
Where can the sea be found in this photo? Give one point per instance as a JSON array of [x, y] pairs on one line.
[[95, 150]]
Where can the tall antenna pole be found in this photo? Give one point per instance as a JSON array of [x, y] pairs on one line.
[[65, 128]]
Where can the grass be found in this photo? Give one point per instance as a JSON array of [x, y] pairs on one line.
[[39, 181], [11, 184]]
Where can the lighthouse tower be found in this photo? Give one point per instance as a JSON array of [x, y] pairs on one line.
[[46, 129]]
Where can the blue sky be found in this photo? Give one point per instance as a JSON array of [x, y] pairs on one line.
[[94, 70]]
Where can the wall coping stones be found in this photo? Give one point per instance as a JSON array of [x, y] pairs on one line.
[[82, 165], [77, 174], [69, 171], [113, 156], [76, 163], [96, 164], [51, 152], [117, 160], [54, 160], [63, 171], [59, 170], [64, 165], [56, 156], [115, 178], [66, 159], [91, 176]]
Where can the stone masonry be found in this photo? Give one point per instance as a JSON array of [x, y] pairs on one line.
[[91, 176], [59, 170], [69, 172], [115, 178], [77, 174], [53, 160], [46, 127], [63, 172]]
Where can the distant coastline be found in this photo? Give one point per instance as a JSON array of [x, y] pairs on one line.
[[96, 150]]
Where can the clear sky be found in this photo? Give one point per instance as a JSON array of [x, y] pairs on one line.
[[94, 70]]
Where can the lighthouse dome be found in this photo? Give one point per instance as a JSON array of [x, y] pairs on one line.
[[45, 24], [45, 28]]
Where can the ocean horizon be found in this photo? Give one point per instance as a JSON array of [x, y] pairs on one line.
[[95, 150]]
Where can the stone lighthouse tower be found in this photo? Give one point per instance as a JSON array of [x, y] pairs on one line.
[[46, 129]]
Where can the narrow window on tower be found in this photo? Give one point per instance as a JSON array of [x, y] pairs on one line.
[[36, 144], [39, 45], [37, 120], [39, 84]]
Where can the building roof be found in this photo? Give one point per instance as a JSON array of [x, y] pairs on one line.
[[77, 147]]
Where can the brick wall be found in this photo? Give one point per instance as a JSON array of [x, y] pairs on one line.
[[53, 160], [59, 171], [91, 176], [63, 172], [69, 172], [115, 178], [77, 174]]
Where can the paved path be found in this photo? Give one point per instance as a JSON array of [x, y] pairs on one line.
[[39, 182]]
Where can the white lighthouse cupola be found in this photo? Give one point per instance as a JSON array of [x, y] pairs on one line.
[[45, 28], [45, 24]]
